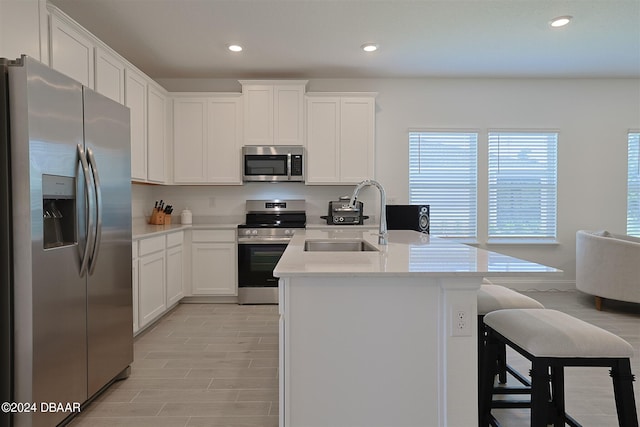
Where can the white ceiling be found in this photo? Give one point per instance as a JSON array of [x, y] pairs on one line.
[[322, 38]]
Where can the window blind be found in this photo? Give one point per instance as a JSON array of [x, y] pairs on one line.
[[443, 174], [633, 184], [522, 184]]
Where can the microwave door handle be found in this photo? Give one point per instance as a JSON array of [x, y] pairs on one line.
[[98, 193], [84, 261], [289, 166]]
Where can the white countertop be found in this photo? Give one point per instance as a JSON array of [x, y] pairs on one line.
[[408, 253], [143, 230]]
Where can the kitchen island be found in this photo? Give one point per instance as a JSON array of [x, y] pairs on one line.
[[385, 337]]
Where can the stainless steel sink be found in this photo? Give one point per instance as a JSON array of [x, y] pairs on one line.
[[341, 245]]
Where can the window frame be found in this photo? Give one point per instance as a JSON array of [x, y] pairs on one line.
[[470, 233], [494, 236], [633, 182]]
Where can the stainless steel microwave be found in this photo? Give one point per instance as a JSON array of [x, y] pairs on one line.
[[273, 163]]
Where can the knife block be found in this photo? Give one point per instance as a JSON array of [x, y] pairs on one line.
[[159, 218]]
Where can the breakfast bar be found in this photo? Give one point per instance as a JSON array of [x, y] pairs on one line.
[[382, 335]]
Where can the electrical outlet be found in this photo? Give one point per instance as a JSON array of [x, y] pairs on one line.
[[460, 321]]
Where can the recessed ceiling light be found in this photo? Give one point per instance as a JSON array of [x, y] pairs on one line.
[[235, 48], [369, 47], [560, 21]]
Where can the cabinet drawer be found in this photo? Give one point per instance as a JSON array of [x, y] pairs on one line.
[[175, 239], [134, 249], [151, 245], [213, 235]]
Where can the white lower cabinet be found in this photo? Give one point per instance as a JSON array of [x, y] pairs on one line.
[[158, 277], [152, 302], [214, 262], [175, 269], [134, 285]]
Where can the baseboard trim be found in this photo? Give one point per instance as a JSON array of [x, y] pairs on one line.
[[209, 300]]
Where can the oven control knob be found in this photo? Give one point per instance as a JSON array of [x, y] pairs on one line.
[[247, 232], [287, 232], [254, 232]]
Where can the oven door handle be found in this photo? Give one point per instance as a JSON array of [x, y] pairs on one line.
[[252, 241]]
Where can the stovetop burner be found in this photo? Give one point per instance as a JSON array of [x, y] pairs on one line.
[[276, 214]]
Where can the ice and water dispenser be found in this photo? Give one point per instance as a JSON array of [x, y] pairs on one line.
[[58, 211]]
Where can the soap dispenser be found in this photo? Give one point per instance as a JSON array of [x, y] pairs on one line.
[[185, 216]]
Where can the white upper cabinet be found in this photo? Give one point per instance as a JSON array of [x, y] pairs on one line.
[[273, 112], [109, 75], [357, 139], [136, 100], [224, 147], [79, 54], [323, 140], [71, 51], [207, 139], [340, 145], [156, 135], [189, 140]]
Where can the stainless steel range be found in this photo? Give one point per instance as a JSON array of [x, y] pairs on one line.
[[269, 226]]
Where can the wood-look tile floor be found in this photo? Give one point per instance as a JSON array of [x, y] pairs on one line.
[[201, 365], [206, 365]]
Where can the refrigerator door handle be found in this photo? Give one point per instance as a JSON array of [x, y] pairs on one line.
[[98, 193], [84, 261]]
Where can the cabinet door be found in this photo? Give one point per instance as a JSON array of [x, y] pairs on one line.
[[214, 269], [135, 290], [288, 115], [156, 135], [71, 51], [175, 281], [189, 140], [225, 141], [323, 140], [258, 114], [357, 141], [152, 302], [109, 75], [136, 100]]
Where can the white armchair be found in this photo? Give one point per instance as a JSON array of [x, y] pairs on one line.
[[608, 266]]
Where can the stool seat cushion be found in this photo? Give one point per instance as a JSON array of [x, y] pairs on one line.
[[496, 297], [551, 333]]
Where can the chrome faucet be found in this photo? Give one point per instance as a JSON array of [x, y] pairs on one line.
[[382, 233]]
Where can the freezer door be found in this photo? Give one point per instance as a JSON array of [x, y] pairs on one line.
[[109, 291], [49, 294]]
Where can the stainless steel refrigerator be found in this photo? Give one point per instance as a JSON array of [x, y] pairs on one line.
[[65, 231]]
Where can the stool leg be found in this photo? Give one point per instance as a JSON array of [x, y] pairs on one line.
[[481, 352], [557, 396], [623, 390], [502, 364], [539, 393], [487, 375]]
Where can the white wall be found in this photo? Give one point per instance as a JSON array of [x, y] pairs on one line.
[[592, 116], [20, 24]]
